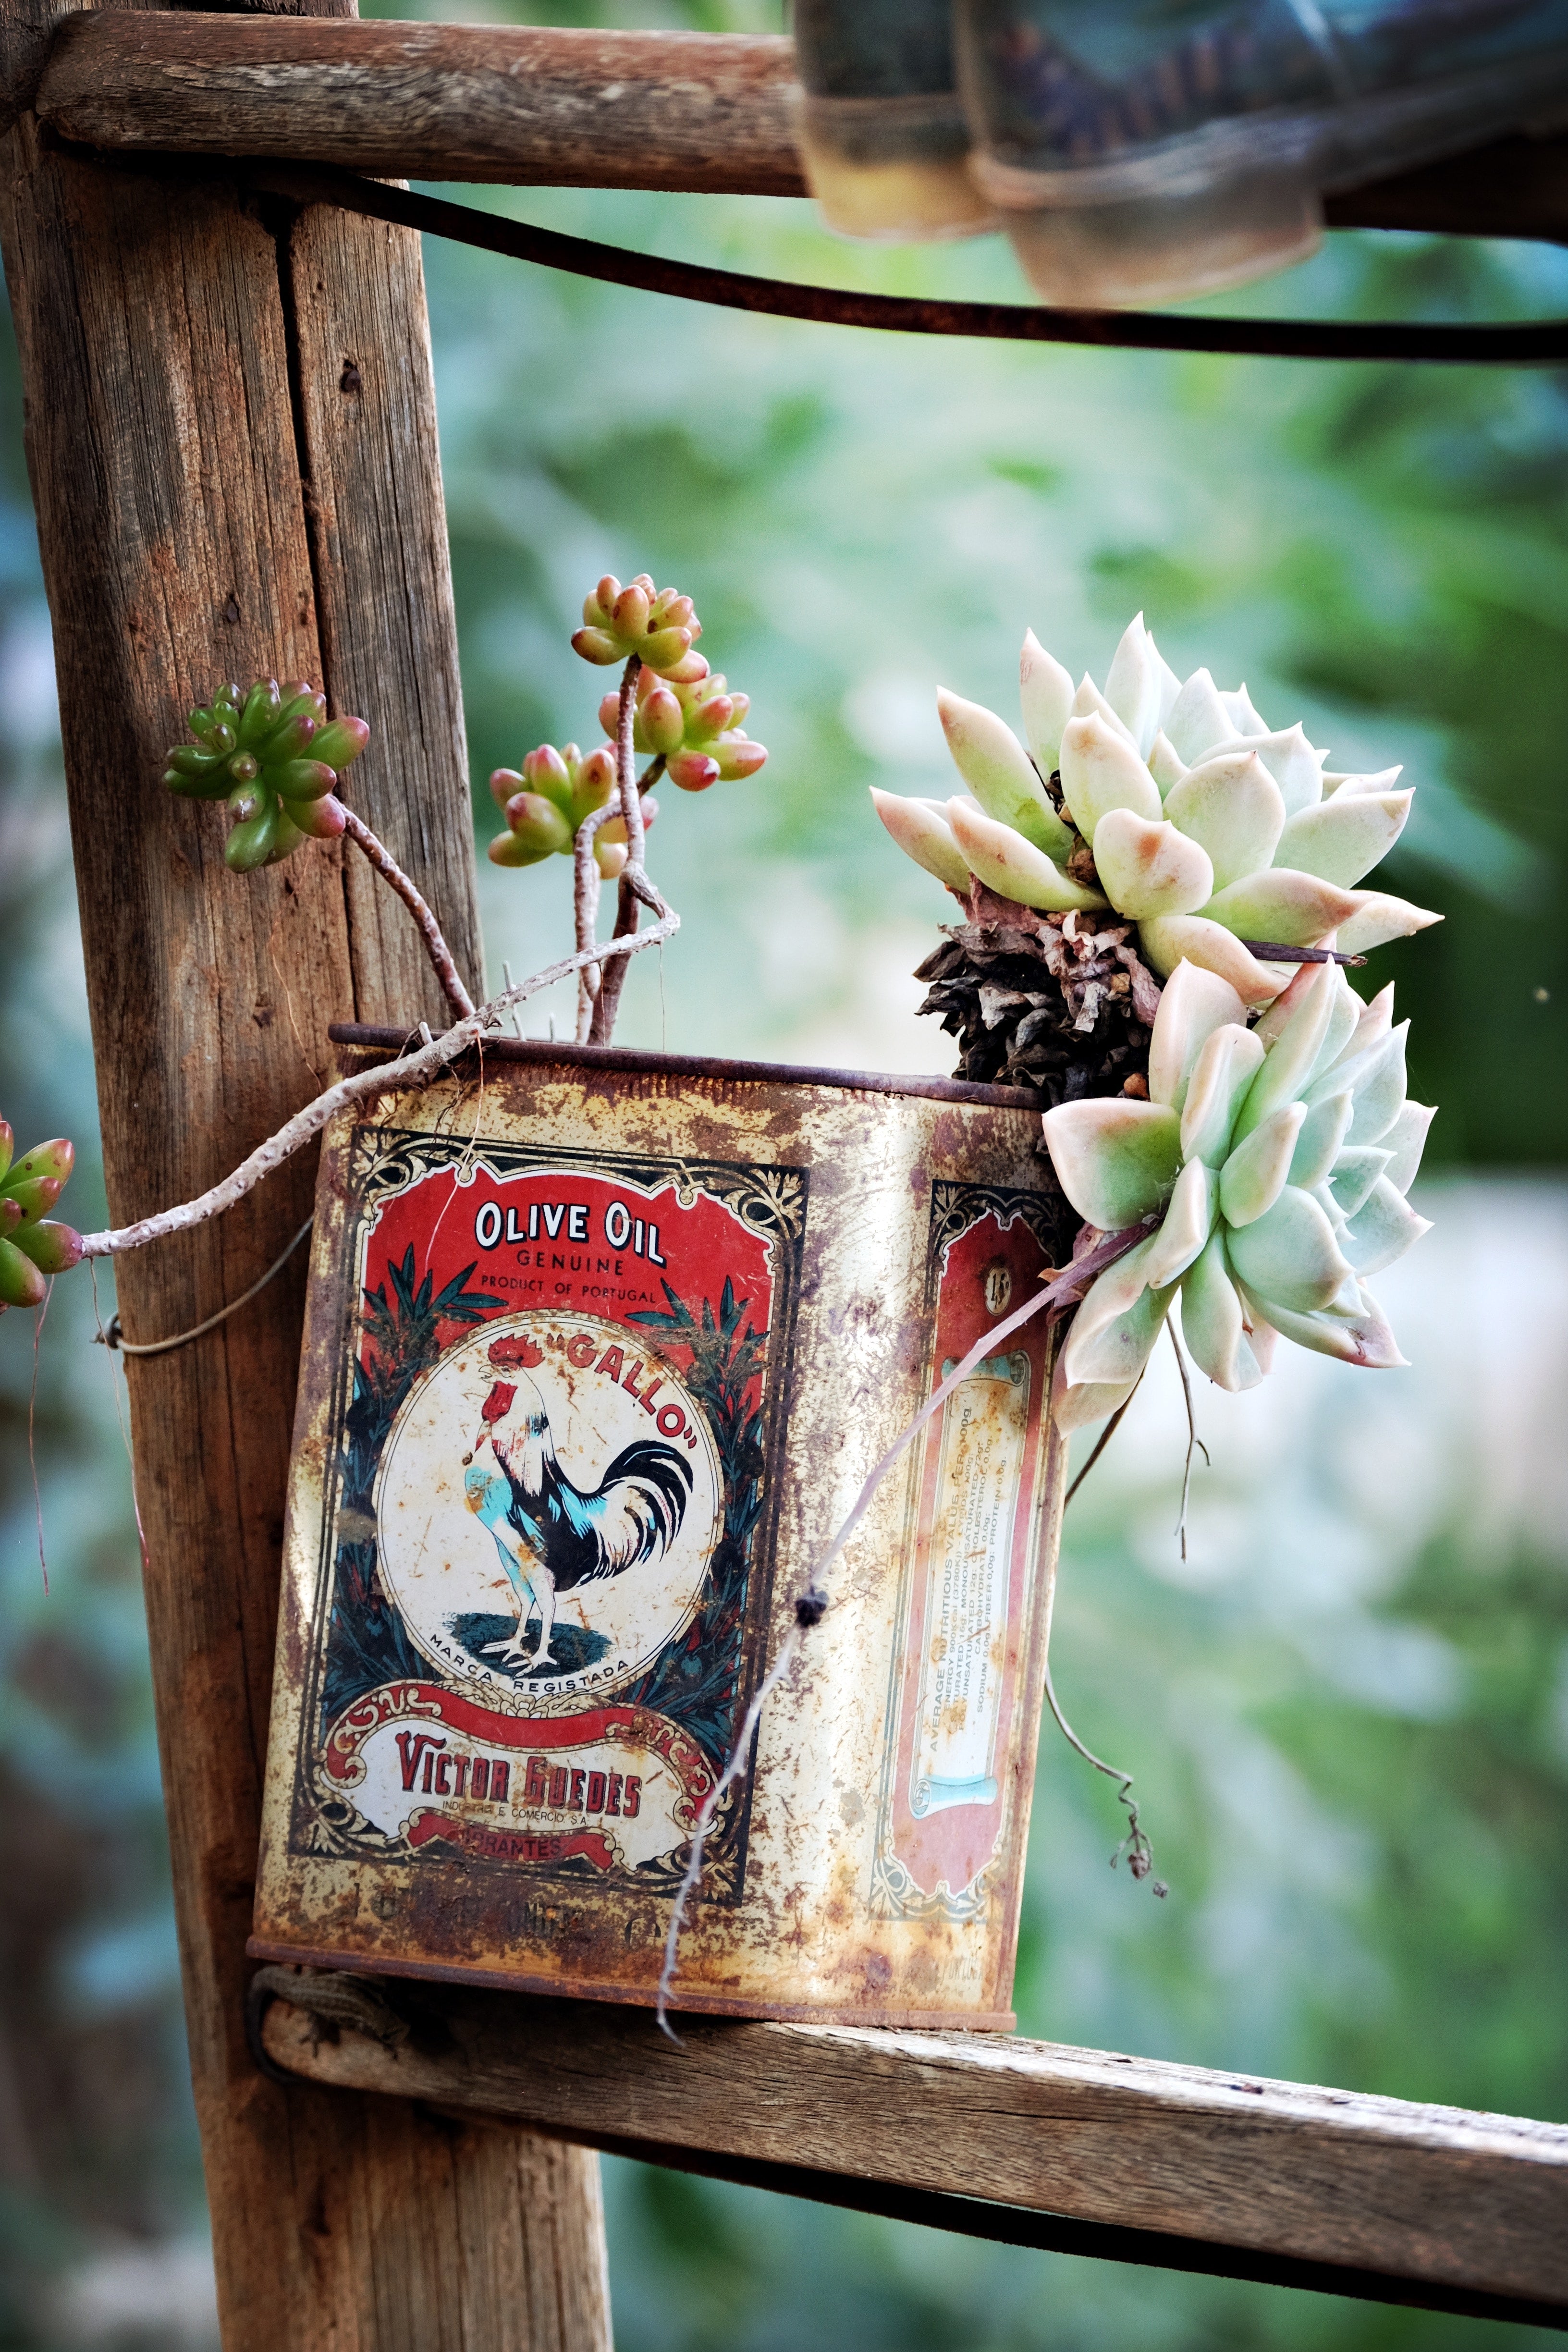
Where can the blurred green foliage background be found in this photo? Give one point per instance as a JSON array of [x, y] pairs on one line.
[[1348, 1712]]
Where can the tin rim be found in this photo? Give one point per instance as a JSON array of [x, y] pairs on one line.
[[635, 1061]]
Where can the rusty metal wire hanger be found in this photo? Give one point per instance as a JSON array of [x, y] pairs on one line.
[[1524, 344]]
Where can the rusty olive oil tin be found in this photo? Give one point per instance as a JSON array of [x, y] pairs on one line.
[[600, 1348]]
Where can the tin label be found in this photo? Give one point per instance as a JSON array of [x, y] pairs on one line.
[[970, 1548], [968, 1574], [548, 1537]]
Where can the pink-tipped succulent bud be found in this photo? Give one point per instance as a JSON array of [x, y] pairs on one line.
[[592, 782], [693, 770], [662, 720], [629, 615], [665, 649], [535, 829], [597, 645], [737, 755], [548, 771], [340, 743], [320, 820], [672, 612], [658, 720], [708, 742], [708, 717]]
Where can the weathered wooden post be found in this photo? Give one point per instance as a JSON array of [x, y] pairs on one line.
[[231, 436]]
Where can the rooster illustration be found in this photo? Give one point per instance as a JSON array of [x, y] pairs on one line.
[[552, 1537]]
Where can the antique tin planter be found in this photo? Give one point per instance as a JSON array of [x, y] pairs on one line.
[[600, 1347]]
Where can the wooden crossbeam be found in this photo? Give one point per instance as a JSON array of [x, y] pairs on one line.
[[535, 106], [518, 103], [1233, 2174]]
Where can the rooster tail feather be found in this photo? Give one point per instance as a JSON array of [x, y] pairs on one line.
[[646, 1490]]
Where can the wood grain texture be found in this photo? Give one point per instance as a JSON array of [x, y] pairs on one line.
[[533, 106], [377, 524], [1424, 2193], [529, 105], [180, 507]]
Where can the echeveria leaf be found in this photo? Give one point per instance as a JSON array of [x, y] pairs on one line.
[[1089, 703], [1189, 1221], [1382, 1230], [1243, 715], [1376, 918], [1000, 773], [1101, 770], [1404, 1141], [1075, 1408], [1343, 1023], [1289, 758], [1225, 1068], [924, 834], [1133, 685], [1257, 1170], [1231, 805], [1116, 1324], [1355, 1172], [1116, 1159], [1147, 868], [1046, 693], [1361, 1337], [1294, 1046], [1318, 1145], [1213, 1322], [1198, 721], [1013, 867], [1290, 1257], [1194, 1004], [1165, 766], [1342, 839], [1288, 909], [1167, 939], [1383, 781], [1374, 1078]]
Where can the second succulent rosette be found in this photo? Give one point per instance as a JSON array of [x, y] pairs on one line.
[[1270, 1166]]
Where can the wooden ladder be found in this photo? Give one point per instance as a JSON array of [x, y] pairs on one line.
[[231, 436]]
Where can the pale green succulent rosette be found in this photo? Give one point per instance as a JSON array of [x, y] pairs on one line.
[[1270, 1165], [1181, 809]]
